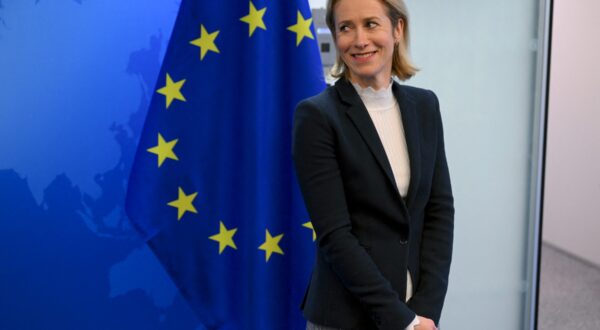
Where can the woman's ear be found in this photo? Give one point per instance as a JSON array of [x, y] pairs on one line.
[[399, 31]]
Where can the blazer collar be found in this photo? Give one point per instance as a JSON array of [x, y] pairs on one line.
[[360, 117]]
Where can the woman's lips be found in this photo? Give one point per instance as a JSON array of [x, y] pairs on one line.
[[363, 56]]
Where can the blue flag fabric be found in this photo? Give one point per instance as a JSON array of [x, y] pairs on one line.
[[212, 188]]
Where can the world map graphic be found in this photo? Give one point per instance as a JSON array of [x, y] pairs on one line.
[[77, 77]]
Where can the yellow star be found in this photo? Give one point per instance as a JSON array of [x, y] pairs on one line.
[[309, 225], [183, 203], [206, 42], [172, 90], [254, 19], [164, 150], [224, 237], [302, 28], [271, 245]]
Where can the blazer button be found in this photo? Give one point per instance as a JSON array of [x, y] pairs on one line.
[[403, 241]]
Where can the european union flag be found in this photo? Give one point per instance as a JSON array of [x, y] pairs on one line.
[[212, 188]]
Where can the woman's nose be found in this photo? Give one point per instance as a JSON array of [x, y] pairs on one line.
[[360, 39]]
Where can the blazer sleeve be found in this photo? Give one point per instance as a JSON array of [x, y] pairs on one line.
[[437, 235], [314, 152]]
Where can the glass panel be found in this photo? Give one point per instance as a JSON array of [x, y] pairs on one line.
[[480, 58]]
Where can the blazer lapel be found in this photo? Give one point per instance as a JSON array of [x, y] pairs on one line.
[[410, 122], [361, 119]]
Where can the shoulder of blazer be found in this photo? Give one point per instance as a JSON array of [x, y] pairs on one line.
[[421, 96], [424, 102], [322, 100]]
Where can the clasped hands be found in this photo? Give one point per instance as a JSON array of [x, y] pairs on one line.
[[425, 324]]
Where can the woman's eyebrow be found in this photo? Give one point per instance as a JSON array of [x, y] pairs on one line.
[[370, 18]]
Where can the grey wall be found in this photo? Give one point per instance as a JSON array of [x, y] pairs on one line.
[[572, 186]]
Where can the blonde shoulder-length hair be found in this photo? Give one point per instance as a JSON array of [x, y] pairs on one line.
[[402, 66]]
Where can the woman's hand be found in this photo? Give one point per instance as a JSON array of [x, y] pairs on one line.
[[425, 324]]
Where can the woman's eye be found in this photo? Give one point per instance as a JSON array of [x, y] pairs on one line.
[[371, 25], [344, 28]]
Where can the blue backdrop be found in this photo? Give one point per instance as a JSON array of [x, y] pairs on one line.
[[76, 77]]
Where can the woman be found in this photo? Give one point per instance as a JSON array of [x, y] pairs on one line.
[[370, 160]]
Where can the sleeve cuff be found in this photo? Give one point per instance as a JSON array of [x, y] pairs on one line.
[[412, 324]]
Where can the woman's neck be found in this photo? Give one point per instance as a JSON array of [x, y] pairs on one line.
[[376, 83]]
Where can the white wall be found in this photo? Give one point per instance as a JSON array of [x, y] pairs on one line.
[[317, 3], [572, 186]]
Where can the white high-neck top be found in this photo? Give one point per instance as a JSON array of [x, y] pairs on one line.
[[385, 114]]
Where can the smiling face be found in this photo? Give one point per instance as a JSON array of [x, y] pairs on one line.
[[365, 38]]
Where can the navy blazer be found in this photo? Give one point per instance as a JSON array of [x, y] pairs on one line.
[[368, 235]]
